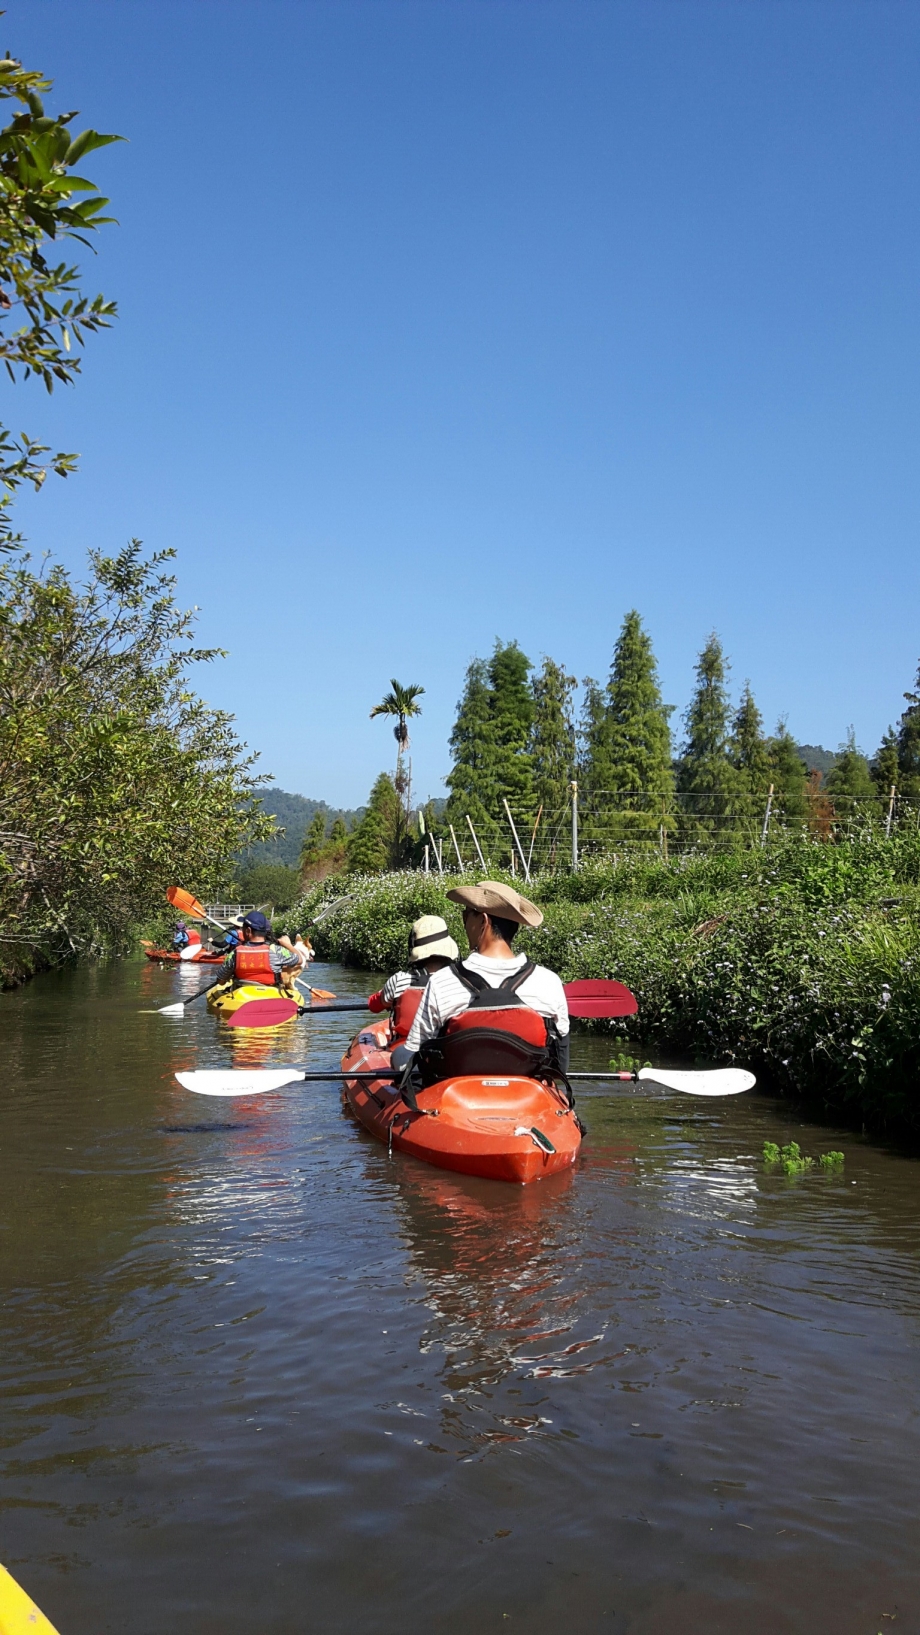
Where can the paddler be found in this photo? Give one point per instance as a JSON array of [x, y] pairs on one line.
[[431, 947], [181, 937], [257, 958], [492, 913]]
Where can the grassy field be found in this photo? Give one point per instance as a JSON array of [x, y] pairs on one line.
[[801, 961]]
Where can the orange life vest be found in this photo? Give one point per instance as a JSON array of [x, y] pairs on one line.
[[252, 963], [404, 1014], [497, 1033]]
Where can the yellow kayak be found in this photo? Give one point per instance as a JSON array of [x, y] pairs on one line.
[[18, 1613], [250, 1005]]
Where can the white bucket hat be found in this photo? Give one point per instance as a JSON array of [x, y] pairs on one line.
[[430, 938]]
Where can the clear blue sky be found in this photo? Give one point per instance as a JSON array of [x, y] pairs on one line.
[[442, 322]]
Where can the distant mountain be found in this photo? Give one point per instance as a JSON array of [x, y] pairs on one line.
[[816, 758], [294, 813]]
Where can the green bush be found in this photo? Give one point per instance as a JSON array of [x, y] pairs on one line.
[[801, 961]]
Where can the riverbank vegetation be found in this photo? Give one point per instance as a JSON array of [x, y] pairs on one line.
[[115, 778], [801, 960]]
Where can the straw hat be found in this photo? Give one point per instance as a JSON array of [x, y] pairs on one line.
[[429, 938], [492, 897]]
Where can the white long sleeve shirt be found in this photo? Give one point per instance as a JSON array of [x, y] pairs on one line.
[[445, 996]]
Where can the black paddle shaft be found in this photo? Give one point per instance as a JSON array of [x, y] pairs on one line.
[[319, 1010]]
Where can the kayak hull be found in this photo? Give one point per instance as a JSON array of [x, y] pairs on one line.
[[504, 1128], [252, 1008], [170, 956]]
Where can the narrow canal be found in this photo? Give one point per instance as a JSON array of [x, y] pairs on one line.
[[255, 1376]]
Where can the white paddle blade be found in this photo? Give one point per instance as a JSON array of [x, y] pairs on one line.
[[720, 1081], [215, 1082], [172, 1010]]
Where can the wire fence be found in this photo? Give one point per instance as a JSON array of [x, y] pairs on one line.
[[610, 824]]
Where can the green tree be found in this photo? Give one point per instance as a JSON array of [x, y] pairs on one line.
[[850, 785], [338, 834], [706, 777], [750, 755], [115, 779], [472, 779], [314, 840], [884, 767], [273, 883], [908, 779], [553, 737], [374, 843], [788, 775], [636, 742], [44, 316], [512, 723], [401, 704]]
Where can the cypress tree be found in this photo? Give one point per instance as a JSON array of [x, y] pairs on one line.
[[788, 775], [749, 755], [472, 780], [512, 721], [908, 779], [491, 748], [884, 765], [636, 741], [850, 785], [373, 845], [705, 774], [553, 737], [314, 840]]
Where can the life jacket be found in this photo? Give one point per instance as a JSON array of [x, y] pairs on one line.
[[497, 1033], [406, 1007], [252, 963]]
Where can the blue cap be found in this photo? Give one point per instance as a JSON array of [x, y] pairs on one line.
[[256, 921]]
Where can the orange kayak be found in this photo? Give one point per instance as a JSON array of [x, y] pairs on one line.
[[174, 959], [506, 1129]]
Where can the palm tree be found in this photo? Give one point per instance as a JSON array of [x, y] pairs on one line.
[[401, 703]]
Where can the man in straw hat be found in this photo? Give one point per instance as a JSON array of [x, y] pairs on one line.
[[492, 913], [431, 947]]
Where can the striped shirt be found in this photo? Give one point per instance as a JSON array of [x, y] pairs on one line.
[[394, 986], [446, 996]]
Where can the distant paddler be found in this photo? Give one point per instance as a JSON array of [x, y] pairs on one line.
[[257, 959]]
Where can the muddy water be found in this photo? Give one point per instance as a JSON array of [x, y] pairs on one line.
[[255, 1376]]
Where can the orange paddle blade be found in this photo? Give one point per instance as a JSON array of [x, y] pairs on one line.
[[321, 993], [186, 903]]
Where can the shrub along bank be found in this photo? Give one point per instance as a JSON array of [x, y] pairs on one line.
[[802, 961]]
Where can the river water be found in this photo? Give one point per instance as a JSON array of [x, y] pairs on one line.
[[257, 1376]]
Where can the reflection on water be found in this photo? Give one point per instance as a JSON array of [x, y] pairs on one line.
[[249, 1363]]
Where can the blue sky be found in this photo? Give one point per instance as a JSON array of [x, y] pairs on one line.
[[442, 322]]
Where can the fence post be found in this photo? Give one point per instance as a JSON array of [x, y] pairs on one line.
[[476, 843], [456, 847], [427, 864], [574, 788], [766, 817], [890, 814], [517, 842]]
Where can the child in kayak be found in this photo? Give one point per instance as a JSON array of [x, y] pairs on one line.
[[431, 947]]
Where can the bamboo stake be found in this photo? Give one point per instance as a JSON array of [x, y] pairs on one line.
[[476, 843], [766, 817], [890, 814], [534, 835], [516, 841], [456, 847]]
